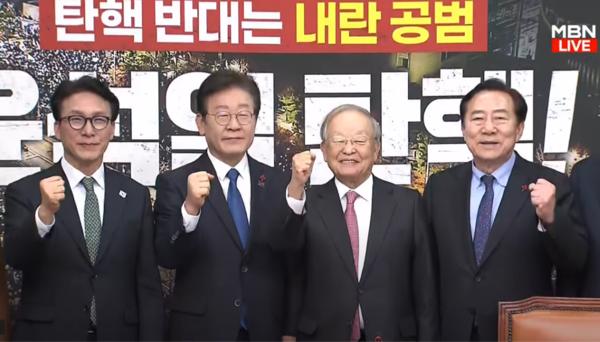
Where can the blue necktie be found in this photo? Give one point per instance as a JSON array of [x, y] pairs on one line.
[[237, 209], [238, 213], [483, 225]]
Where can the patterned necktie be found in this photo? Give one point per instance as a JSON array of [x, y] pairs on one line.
[[91, 219], [237, 209], [483, 225], [352, 224]]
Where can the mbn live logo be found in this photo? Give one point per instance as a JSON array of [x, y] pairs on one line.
[[574, 39]]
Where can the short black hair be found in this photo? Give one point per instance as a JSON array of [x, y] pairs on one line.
[[226, 79], [494, 84], [89, 84]]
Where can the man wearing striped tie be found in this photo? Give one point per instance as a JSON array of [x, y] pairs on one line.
[[83, 235]]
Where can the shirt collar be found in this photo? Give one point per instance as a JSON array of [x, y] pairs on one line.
[[74, 176], [365, 190], [501, 174], [222, 168]]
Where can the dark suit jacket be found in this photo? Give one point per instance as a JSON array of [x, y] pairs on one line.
[[215, 278], [585, 180], [396, 292], [518, 259], [58, 277]]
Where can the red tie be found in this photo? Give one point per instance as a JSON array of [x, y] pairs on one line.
[[352, 225]]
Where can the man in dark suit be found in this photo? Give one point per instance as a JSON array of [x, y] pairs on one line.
[[585, 182], [83, 235], [368, 268], [500, 222], [218, 224]]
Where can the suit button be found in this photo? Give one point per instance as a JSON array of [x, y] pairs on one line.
[[244, 269], [237, 303], [361, 291], [478, 279]]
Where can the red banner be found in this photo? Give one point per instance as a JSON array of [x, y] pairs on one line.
[[265, 26]]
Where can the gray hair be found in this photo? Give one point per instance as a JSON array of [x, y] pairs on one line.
[[350, 107]]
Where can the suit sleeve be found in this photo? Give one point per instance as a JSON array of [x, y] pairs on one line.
[[172, 243], [294, 291], [424, 275], [285, 230], [282, 235], [21, 238], [149, 292], [567, 237]]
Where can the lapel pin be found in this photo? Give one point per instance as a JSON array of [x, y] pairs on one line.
[[261, 181], [122, 193]]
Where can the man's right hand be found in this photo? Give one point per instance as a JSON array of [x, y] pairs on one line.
[[302, 164], [198, 188], [52, 190]]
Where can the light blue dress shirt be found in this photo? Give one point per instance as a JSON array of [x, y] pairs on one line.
[[501, 176]]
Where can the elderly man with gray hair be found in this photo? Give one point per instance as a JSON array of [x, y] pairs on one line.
[[368, 271]]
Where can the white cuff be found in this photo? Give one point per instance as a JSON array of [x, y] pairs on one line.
[[540, 227], [296, 205], [43, 228], [189, 221]]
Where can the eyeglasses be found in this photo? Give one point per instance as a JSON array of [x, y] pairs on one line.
[[340, 141], [77, 122], [243, 118]]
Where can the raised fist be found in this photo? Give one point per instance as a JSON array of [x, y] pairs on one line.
[[198, 189]]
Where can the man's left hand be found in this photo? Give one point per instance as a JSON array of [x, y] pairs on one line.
[[543, 198]]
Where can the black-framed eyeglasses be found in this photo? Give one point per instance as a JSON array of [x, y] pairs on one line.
[[77, 122], [243, 117]]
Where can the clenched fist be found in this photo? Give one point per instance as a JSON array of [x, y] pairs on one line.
[[543, 198], [198, 188], [302, 164], [52, 191]]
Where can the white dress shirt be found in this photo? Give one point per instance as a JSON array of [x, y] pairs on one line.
[[74, 178], [243, 184]]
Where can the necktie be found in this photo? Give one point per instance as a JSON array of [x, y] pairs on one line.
[[236, 207], [352, 224], [483, 224], [238, 213], [91, 219]]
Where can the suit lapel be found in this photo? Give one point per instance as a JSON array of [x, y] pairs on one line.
[[113, 207], [216, 199], [257, 185], [382, 207], [461, 198], [330, 209], [68, 216], [512, 201]]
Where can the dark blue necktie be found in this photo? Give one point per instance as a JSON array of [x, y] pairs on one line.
[[483, 225], [237, 209]]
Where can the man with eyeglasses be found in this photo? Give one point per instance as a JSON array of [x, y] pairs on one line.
[[82, 234], [368, 269], [218, 224]]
